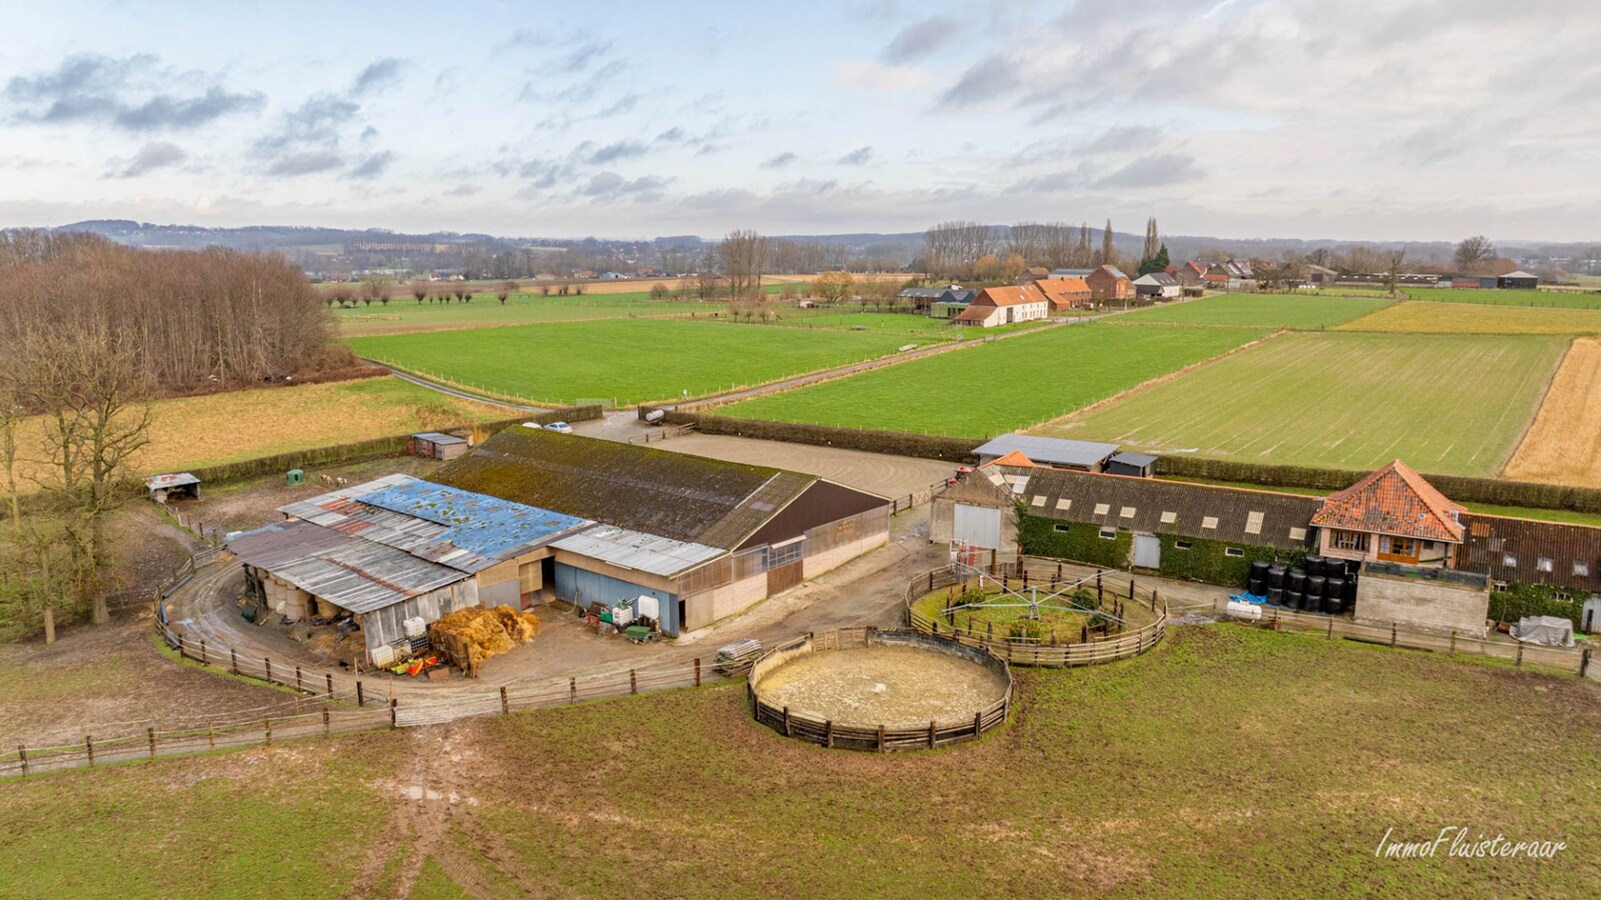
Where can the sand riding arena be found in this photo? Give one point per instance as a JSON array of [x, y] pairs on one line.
[[869, 689]]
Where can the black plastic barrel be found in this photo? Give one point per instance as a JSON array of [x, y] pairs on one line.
[[1294, 599], [1313, 565], [1257, 582], [1275, 575], [1314, 590], [1334, 587], [1350, 588], [1275, 595], [1333, 568], [1334, 606], [1295, 580]]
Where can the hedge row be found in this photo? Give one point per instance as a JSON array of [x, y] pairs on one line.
[[1207, 560], [957, 450], [1076, 541], [1520, 600], [1458, 487], [364, 451]]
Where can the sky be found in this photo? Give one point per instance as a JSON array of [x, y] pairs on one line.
[[1344, 119]]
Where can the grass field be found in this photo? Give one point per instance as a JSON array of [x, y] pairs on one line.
[[999, 387], [1308, 311], [909, 324], [404, 315], [1421, 317], [1561, 299], [189, 432], [1348, 401], [1226, 762], [1563, 445], [629, 360]]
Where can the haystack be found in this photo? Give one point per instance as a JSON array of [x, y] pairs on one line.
[[467, 637]]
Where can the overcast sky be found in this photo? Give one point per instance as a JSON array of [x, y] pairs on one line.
[[1357, 119]]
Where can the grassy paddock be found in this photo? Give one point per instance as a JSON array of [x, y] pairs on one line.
[[982, 391], [1343, 401], [1227, 761], [1298, 311], [1559, 299], [630, 360], [1466, 318]]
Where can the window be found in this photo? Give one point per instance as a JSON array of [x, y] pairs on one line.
[[1038, 501], [1399, 549], [1168, 518], [1253, 523], [1543, 564], [1235, 552], [1062, 527], [1510, 560], [1102, 509], [1126, 512], [1209, 522], [786, 554], [1064, 503], [1108, 534], [1349, 540], [1297, 534], [1181, 545], [1581, 569]]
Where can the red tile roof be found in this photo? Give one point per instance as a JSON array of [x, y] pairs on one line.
[[1011, 295], [1064, 293], [1015, 459], [1394, 500]]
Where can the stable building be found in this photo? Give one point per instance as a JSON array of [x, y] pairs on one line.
[[718, 536], [1083, 456], [1158, 286], [1393, 516], [1005, 306]]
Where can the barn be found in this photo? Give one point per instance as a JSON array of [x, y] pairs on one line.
[[1060, 453], [707, 537]]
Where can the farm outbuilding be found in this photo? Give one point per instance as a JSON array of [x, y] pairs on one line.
[[1085, 456], [162, 488], [1519, 281], [434, 445], [1006, 305], [1158, 286], [1138, 465], [707, 537]]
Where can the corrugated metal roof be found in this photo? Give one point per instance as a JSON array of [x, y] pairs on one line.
[[435, 437], [1129, 458], [353, 574], [637, 550], [177, 479], [1052, 451]]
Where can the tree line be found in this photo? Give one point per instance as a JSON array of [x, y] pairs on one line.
[[972, 250]]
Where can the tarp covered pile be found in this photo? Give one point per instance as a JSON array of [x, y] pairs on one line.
[[1553, 631], [467, 637]]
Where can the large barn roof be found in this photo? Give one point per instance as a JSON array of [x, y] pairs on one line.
[[674, 495], [353, 574], [1050, 451]]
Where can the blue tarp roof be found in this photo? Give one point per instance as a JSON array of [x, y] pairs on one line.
[[484, 525]]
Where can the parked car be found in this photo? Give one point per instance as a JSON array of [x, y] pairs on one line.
[[559, 427]]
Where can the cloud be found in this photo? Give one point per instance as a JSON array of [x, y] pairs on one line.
[[152, 156], [378, 75], [134, 93], [871, 76], [858, 157], [984, 81], [612, 152], [1155, 170], [463, 190], [316, 122], [1123, 138], [779, 161], [610, 184], [305, 163], [371, 167], [920, 39]]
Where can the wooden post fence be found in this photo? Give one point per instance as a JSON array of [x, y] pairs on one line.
[[697, 671], [505, 708], [89, 748], [266, 728], [22, 757], [572, 690], [234, 656], [327, 726], [360, 699], [151, 733], [393, 715]]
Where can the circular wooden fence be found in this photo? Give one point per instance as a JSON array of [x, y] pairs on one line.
[[878, 737], [1112, 587]]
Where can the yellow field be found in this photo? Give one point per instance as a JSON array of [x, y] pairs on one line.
[[1563, 445], [190, 432], [1424, 317]]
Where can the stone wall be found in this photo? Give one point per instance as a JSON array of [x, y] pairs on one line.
[[1421, 605]]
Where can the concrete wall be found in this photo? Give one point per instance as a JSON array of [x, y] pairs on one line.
[[498, 586], [841, 554], [1420, 605], [709, 606]]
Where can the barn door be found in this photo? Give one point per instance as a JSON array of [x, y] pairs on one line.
[[786, 565], [1147, 551], [977, 526]]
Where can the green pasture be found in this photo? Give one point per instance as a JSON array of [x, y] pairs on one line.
[[631, 360], [1001, 386], [1450, 404], [1309, 311], [1558, 299], [404, 314]]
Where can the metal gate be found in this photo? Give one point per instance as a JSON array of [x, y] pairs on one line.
[[978, 526], [1147, 551]]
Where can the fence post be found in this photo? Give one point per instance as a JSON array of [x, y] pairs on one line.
[[211, 737], [1131, 587], [633, 682], [1584, 662], [204, 661], [1153, 599], [787, 732], [393, 716], [697, 671], [267, 664], [978, 723], [1392, 635], [151, 733], [89, 748], [327, 728], [1452, 651], [266, 726], [22, 756], [828, 734], [572, 690], [1520, 654], [234, 656], [330, 677], [504, 706], [361, 700], [931, 734], [297, 679], [881, 739], [1331, 629]]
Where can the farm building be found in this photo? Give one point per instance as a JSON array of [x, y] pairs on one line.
[[1070, 273], [1392, 515], [1557, 555], [1065, 294], [707, 537], [1109, 283], [1139, 465], [1006, 305], [945, 309], [1190, 273], [434, 445], [1518, 281], [1322, 276], [1157, 286], [1085, 456], [924, 299], [162, 488], [1474, 282], [396, 548]]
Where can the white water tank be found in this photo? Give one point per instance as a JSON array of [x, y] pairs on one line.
[[1240, 609]]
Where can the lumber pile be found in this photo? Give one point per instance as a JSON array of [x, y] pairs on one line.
[[467, 637]]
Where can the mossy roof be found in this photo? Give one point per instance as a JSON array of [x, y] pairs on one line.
[[674, 495]]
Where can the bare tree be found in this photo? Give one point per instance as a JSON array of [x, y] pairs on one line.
[[659, 291], [744, 257], [419, 289], [1393, 263], [1472, 253], [832, 287], [505, 290]]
